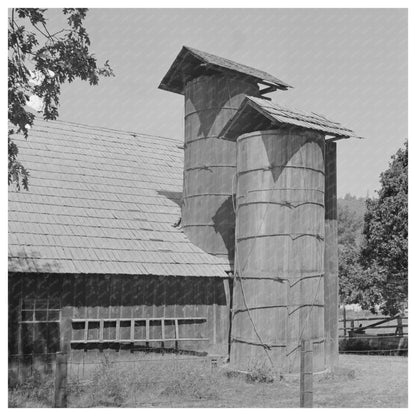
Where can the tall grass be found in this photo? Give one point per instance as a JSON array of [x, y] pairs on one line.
[[35, 391], [118, 384]]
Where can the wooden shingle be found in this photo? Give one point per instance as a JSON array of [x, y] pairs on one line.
[[101, 201]]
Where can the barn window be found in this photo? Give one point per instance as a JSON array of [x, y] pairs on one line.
[[40, 320]]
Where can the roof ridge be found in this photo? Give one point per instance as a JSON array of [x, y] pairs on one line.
[[202, 53], [105, 129]]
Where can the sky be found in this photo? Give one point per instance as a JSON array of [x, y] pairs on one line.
[[347, 64]]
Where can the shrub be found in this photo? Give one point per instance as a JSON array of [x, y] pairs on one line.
[[260, 372]]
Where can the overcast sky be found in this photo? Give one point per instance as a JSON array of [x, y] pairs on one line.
[[347, 64]]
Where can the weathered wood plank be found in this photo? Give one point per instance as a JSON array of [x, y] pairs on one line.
[[331, 256]]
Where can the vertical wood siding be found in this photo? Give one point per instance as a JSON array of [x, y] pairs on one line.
[[87, 297]]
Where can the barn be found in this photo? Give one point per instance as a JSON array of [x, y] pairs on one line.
[[97, 256], [128, 241]]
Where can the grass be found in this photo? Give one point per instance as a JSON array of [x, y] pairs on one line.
[[146, 383], [366, 381], [379, 381], [34, 392]]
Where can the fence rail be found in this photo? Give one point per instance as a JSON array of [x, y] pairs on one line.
[[378, 335], [351, 326]]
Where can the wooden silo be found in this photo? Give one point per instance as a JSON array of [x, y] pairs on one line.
[[279, 294], [214, 88], [279, 291], [209, 164]]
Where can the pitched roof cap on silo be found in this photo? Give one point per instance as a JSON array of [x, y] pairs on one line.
[[190, 63], [259, 114]]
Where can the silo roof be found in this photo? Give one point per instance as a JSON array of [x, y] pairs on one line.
[[190, 63], [260, 114]]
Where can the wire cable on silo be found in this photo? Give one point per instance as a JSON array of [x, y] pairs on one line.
[[307, 317], [266, 347]]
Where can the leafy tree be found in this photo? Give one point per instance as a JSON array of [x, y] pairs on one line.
[[385, 245], [39, 63], [356, 283], [350, 225], [373, 243], [350, 235]]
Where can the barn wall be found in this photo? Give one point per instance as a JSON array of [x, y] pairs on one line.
[[98, 296]]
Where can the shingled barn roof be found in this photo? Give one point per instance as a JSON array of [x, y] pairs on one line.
[[259, 114], [101, 201], [190, 63]]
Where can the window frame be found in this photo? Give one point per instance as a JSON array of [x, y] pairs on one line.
[[32, 323], [34, 309]]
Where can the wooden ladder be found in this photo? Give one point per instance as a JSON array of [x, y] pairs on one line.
[[133, 321]]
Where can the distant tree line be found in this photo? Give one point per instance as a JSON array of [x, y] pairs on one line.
[[373, 243]]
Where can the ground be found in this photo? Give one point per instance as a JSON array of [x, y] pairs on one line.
[[361, 381], [378, 381]]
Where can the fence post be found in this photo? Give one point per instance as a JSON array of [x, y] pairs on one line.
[[399, 329], [306, 374], [61, 373], [345, 322]]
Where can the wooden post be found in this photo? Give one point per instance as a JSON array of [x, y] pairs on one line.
[[399, 330], [20, 357], [66, 314], [306, 374], [331, 257], [345, 321], [65, 329], [61, 373]]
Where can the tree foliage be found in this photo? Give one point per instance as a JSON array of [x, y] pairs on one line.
[[358, 285], [386, 234], [39, 62], [350, 220], [373, 247], [350, 235]]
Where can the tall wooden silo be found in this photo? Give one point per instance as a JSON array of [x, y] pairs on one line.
[[209, 163], [214, 88], [279, 293], [279, 289]]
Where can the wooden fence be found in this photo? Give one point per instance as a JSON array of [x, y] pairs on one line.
[[387, 335]]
